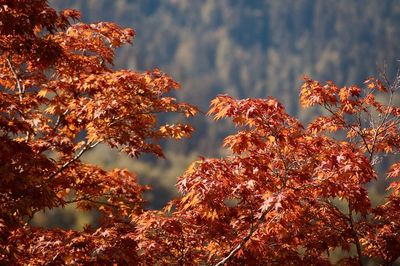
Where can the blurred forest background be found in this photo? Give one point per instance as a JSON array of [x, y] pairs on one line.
[[245, 48]]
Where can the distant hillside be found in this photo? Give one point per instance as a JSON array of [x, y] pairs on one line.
[[252, 48]]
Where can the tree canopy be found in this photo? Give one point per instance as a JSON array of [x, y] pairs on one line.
[[286, 194]]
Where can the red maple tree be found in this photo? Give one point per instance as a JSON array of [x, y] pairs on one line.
[[60, 98], [274, 200]]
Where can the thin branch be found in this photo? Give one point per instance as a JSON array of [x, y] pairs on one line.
[[21, 91], [358, 131], [255, 227], [356, 239], [338, 212], [381, 123], [122, 118], [60, 118], [252, 230], [91, 201], [19, 86], [75, 158]]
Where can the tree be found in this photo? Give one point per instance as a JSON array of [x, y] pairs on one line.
[[60, 98], [274, 200]]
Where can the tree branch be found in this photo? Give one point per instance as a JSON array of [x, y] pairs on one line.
[[88, 199], [356, 240], [376, 133], [252, 230], [19, 86], [75, 158]]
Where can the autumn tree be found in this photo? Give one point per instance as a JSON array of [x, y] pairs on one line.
[[61, 97], [274, 200]]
